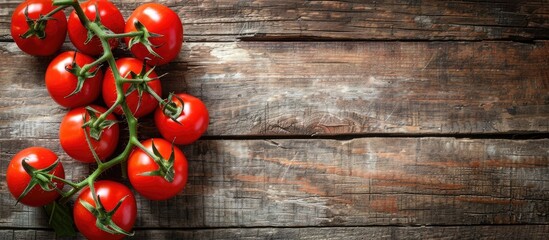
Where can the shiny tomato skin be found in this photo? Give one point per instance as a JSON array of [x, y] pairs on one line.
[[193, 121], [110, 17], [161, 20], [156, 187], [61, 83], [110, 193], [148, 102], [18, 179], [73, 139], [56, 29]]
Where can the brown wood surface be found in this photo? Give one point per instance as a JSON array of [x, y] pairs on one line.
[[317, 88], [359, 182], [228, 20], [335, 233], [332, 120]]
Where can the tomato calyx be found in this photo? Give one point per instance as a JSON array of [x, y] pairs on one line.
[[104, 218], [140, 82], [165, 166], [97, 21], [95, 125], [81, 76], [144, 39], [41, 177], [37, 27], [171, 109]]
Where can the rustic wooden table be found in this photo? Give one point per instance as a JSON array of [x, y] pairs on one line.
[[398, 119]]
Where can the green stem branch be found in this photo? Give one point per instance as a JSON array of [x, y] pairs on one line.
[[89, 66], [81, 15], [64, 2], [144, 149], [123, 35], [54, 11], [161, 101], [104, 115], [129, 80], [65, 181], [120, 101]]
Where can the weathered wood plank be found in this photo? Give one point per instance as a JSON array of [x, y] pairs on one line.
[[360, 182], [318, 88], [229, 20], [531, 232]]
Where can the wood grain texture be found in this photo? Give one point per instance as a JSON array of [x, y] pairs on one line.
[[364, 70], [531, 232], [360, 182], [230, 20], [318, 88]]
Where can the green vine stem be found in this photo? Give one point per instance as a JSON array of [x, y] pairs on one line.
[[54, 11], [161, 101], [120, 100]]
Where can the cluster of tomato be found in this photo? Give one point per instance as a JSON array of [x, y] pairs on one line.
[[36, 177]]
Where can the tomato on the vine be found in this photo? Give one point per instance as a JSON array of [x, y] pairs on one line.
[[49, 35], [61, 83], [161, 20], [73, 138], [110, 194], [157, 187], [191, 123], [110, 17], [18, 179], [148, 102]]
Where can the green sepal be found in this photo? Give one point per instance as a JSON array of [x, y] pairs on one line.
[[88, 207], [139, 87], [170, 172], [76, 70], [104, 219], [95, 132], [60, 219], [155, 150], [90, 146], [89, 37], [165, 167], [97, 20], [142, 86], [144, 39], [36, 27], [38, 177], [173, 115], [132, 88], [156, 173]]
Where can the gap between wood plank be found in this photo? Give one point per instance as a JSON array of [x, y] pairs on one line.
[[303, 227], [507, 136], [346, 137], [278, 39], [320, 39]]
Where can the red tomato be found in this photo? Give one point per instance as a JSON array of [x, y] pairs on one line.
[[193, 121], [55, 29], [161, 20], [18, 179], [148, 102], [110, 193], [73, 140], [156, 187], [109, 16], [61, 83]]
